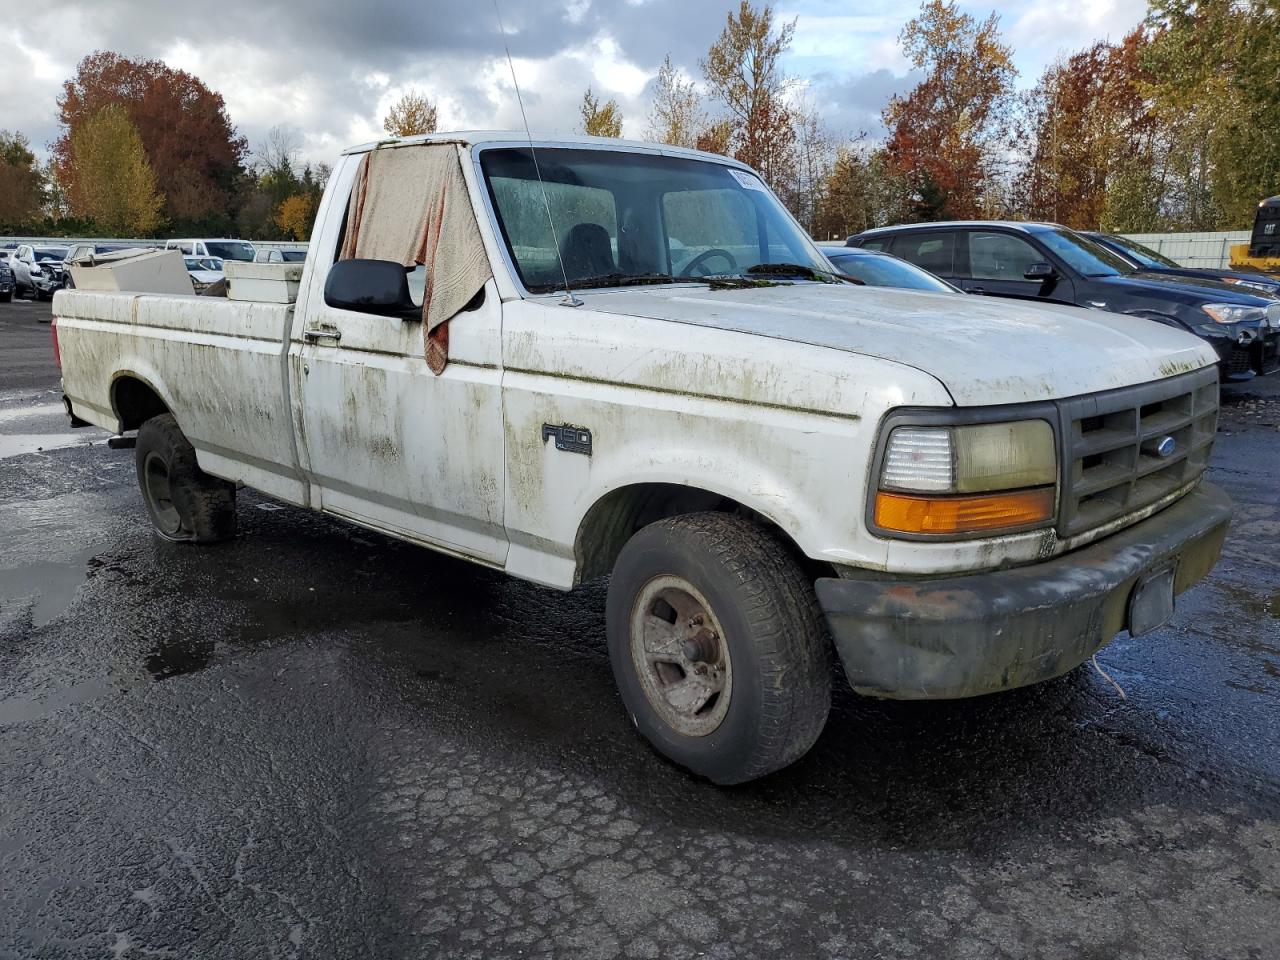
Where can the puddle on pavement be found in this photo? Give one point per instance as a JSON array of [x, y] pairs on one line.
[[24, 709], [54, 584], [20, 444], [1251, 604], [177, 656]]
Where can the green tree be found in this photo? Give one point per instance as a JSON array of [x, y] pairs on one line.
[[676, 115], [600, 120], [21, 182], [861, 192], [116, 184], [1215, 75]]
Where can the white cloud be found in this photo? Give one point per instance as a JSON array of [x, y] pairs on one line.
[[331, 73]]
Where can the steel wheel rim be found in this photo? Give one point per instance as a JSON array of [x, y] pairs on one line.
[[155, 473], [680, 656]]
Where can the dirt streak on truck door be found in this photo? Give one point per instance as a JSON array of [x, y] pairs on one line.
[[388, 443]]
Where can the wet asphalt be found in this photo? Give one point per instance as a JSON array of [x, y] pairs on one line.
[[318, 742]]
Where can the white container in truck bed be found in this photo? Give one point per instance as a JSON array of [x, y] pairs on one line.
[[263, 282]]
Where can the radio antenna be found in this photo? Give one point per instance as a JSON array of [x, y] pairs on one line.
[[569, 299]]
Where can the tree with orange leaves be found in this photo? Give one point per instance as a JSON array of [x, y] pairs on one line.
[[947, 136], [1092, 129], [187, 137]]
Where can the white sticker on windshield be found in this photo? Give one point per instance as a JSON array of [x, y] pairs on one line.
[[748, 181]]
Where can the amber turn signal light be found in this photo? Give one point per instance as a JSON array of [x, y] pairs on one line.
[[950, 515]]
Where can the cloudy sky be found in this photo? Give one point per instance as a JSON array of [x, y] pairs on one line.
[[329, 69]]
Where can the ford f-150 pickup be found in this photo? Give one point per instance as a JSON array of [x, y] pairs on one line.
[[570, 358]]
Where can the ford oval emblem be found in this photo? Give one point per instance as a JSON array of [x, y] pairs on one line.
[[1165, 447]]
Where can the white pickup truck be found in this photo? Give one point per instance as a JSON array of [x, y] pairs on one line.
[[573, 358]]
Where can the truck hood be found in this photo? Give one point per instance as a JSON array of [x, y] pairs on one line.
[[984, 351]]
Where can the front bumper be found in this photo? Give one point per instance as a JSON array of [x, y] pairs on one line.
[[985, 632], [1253, 352]]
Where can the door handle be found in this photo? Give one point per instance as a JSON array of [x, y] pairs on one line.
[[312, 334], [980, 291]]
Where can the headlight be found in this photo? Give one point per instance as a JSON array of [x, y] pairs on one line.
[[957, 480], [1233, 312]]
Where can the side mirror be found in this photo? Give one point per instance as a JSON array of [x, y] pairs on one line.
[[1040, 270], [370, 286]]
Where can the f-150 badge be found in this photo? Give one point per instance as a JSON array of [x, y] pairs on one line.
[[569, 439]]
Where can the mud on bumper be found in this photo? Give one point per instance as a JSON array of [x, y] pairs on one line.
[[982, 633]]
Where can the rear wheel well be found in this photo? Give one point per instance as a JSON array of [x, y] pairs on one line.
[[135, 402], [615, 517]]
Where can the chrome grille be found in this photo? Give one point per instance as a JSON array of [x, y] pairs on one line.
[[1111, 466]]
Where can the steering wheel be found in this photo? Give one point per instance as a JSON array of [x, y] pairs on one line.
[[707, 255]]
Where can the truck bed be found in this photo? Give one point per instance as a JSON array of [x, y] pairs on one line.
[[232, 399]]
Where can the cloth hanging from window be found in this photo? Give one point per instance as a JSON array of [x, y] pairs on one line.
[[411, 205]]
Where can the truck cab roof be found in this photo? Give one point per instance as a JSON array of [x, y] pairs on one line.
[[517, 138]]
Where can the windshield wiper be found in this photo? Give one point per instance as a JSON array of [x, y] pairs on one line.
[[615, 280], [802, 270]]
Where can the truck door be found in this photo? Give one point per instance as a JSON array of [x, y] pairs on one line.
[[386, 442]]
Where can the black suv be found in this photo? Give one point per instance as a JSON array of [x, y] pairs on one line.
[[1146, 260], [6, 281], [1049, 263]]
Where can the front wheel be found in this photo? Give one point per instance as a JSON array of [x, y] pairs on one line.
[[184, 502], [718, 647]]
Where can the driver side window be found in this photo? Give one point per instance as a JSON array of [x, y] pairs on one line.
[[701, 220], [586, 221]]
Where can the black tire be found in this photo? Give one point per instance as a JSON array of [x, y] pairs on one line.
[[6, 297], [185, 503], [762, 613]]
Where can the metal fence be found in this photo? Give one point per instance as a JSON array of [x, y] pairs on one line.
[[1210, 250], [134, 242]]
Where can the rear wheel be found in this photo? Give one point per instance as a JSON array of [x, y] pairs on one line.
[[718, 647], [184, 502]]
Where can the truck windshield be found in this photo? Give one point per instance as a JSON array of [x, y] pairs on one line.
[[624, 218]]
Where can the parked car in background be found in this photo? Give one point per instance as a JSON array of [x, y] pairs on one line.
[[6, 281], [38, 270], [222, 249], [877, 269], [88, 255], [281, 256], [1146, 260], [204, 271], [1048, 263]]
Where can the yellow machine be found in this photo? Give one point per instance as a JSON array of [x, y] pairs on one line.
[[1262, 252]]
